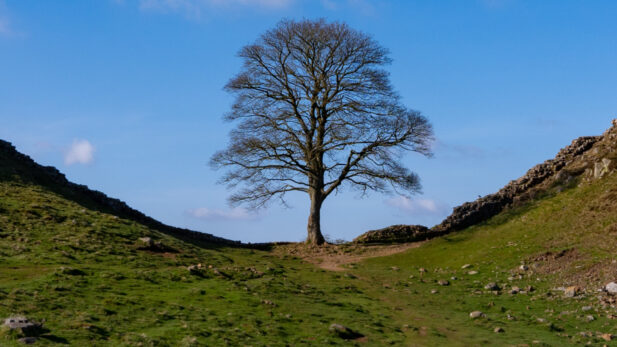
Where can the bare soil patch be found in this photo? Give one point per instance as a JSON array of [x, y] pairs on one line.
[[334, 257]]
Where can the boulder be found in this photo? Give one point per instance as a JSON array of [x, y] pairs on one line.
[[476, 315], [571, 292], [23, 324], [492, 286], [344, 332], [611, 288]]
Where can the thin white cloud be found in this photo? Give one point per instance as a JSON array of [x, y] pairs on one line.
[[417, 207], [195, 8], [218, 214], [5, 23], [80, 152]]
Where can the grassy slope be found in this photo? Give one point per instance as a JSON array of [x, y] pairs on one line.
[[582, 220], [128, 296], [125, 296]]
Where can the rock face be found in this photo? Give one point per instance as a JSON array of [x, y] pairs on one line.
[[585, 159], [17, 165], [396, 234], [520, 190]]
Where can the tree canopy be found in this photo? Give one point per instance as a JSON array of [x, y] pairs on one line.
[[315, 112]]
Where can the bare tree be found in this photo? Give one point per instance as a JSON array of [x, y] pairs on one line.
[[316, 112]]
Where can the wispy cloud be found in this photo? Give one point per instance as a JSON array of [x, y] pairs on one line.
[[5, 23], [458, 150], [80, 152], [417, 207], [195, 8], [218, 214]]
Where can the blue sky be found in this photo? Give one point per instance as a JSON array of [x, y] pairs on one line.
[[126, 97]]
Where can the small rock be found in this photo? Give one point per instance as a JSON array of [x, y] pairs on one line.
[[466, 266], [607, 337], [443, 283], [515, 290], [530, 289], [611, 288], [395, 268], [27, 340], [541, 320], [453, 278], [586, 308], [571, 292], [498, 330], [344, 332], [523, 267], [476, 314], [492, 286], [26, 326], [590, 318], [434, 291], [472, 272], [422, 270]]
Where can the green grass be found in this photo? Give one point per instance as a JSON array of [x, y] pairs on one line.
[[82, 272]]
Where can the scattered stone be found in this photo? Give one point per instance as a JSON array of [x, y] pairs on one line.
[[472, 272], [611, 288], [344, 332], [434, 291], [523, 267], [395, 268], [586, 308], [268, 302], [422, 270], [590, 318], [466, 266], [541, 320], [530, 289], [22, 323], [443, 283], [492, 286], [27, 340], [476, 315], [147, 244], [571, 292], [498, 330], [454, 278], [515, 290], [607, 337]]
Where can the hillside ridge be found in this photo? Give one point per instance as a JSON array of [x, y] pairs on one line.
[[16, 165], [589, 156], [586, 158]]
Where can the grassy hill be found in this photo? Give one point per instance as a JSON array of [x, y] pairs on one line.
[[92, 275]]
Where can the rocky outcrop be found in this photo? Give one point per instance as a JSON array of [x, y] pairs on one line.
[[397, 234], [17, 166], [591, 157], [586, 159]]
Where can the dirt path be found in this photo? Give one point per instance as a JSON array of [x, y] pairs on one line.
[[335, 257]]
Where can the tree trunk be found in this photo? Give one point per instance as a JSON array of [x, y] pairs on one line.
[[314, 221]]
